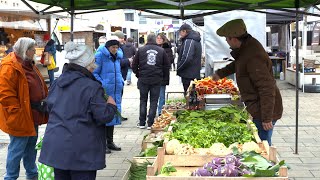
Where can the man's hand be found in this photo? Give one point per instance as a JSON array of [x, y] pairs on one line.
[[111, 100], [215, 77], [267, 126]]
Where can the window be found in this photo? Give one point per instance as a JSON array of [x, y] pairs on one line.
[[142, 20], [80, 41], [175, 21], [129, 17]]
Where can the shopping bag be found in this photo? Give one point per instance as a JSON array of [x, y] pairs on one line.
[[45, 59], [44, 172], [52, 64]]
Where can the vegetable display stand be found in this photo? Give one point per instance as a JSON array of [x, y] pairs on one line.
[[150, 139], [186, 164], [138, 160], [170, 110]]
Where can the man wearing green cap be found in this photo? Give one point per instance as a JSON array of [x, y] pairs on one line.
[[254, 76]]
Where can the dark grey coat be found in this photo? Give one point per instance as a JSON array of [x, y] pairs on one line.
[[189, 61], [75, 135]]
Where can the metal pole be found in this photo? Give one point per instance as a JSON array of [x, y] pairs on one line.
[[72, 19], [297, 74]]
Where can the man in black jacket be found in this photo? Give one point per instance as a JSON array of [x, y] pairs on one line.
[[151, 66], [189, 61], [129, 51]]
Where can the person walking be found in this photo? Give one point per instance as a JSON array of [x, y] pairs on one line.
[[151, 66], [51, 49], [74, 141], [22, 91], [255, 80], [129, 51], [124, 61], [108, 72], [163, 42], [189, 61]]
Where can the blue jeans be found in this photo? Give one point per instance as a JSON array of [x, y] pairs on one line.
[[263, 134], [22, 148], [129, 75], [51, 76], [162, 98]]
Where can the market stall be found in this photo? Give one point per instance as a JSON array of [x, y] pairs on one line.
[[25, 24], [198, 142]]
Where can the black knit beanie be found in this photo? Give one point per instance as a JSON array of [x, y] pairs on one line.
[[112, 42]]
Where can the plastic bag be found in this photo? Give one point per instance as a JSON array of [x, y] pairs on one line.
[[44, 172]]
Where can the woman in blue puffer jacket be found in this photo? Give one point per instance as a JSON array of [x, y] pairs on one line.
[[108, 73]]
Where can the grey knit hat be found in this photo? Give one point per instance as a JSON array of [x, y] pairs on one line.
[[79, 54]]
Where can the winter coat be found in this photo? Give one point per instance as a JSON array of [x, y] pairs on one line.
[[75, 135], [189, 61], [50, 48], [151, 65], [167, 48], [108, 73], [128, 50], [124, 64], [255, 79], [16, 116]]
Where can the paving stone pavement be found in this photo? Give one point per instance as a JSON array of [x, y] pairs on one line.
[[304, 166]]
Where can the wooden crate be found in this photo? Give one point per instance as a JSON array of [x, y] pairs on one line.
[[264, 146], [148, 143], [137, 160], [186, 164]]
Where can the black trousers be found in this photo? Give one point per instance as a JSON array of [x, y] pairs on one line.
[[109, 134], [145, 90], [60, 174], [186, 84]]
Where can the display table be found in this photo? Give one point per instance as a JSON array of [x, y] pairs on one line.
[[304, 78]]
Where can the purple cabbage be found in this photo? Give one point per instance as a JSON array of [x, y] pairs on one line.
[[210, 166], [220, 171], [201, 172], [231, 170], [230, 159], [218, 161]]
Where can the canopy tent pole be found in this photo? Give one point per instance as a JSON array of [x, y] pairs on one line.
[[297, 74], [72, 19]]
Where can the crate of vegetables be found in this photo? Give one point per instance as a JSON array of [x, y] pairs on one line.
[[161, 122], [175, 105], [138, 168], [214, 132], [245, 165], [151, 139]]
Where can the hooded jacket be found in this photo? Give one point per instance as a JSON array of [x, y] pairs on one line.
[[189, 61], [109, 74], [75, 135], [128, 50], [255, 80], [167, 48], [151, 65], [16, 116]]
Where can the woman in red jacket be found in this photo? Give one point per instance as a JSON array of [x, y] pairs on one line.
[[22, 90]]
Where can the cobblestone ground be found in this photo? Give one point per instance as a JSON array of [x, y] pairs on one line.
[[304, 166]]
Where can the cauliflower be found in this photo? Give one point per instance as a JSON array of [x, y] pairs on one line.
[[251, 146], [219, 149], [172, 145]]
